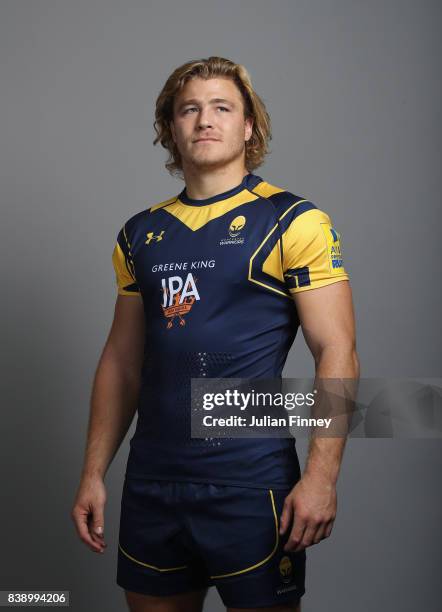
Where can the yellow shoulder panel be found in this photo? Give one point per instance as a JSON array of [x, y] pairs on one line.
[[266, 190], [161, 204]]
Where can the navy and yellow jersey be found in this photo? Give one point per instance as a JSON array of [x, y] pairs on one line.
[[217, 278]]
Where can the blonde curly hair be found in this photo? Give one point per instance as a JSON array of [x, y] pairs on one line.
[[214, 66]]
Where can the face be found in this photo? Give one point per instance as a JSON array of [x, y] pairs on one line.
[[209, 127]]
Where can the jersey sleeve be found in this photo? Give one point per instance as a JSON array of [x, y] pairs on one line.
[[312, 254], [124, 266]]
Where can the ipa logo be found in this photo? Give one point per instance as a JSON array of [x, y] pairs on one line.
[[178, 297]]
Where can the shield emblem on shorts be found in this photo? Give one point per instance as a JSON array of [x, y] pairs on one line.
[[285, 569]]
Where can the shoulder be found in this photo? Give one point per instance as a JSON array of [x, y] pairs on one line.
[[290, 206], [144, 216]]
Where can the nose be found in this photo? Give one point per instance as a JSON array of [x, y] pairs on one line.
[[204, 119]]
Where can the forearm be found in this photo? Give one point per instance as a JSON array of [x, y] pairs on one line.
[[113, 405], [325, 453]]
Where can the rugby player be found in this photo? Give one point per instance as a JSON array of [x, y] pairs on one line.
[[214, 282]]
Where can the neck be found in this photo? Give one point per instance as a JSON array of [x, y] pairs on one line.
[[201, 184]]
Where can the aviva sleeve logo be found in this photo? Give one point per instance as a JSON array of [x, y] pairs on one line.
[[334, 255]]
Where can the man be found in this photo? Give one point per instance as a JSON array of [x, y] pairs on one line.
[[214, 283]]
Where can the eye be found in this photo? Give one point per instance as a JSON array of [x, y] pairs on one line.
[[189, 109], [223, 108]]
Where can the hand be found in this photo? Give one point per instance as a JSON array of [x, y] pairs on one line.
[[88, 513], [311, 505]]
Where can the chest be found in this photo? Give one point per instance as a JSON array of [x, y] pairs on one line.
[[178, 259]]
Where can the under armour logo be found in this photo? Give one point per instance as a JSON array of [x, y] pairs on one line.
[[151, 236]]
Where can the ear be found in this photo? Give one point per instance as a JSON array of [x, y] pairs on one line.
[[172, 130], [248, 128]]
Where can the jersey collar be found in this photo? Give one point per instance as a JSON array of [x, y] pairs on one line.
[[249, 182]]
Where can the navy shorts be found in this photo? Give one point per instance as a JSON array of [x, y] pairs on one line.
[[177, 537]]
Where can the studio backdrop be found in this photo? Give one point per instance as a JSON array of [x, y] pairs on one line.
[[353, 91]]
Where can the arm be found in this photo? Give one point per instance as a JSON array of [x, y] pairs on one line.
[[113, 405], [327, 321]]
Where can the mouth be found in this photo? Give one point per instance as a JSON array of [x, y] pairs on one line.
[[207, 140]]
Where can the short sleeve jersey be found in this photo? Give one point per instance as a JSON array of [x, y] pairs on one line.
[[217, 279]]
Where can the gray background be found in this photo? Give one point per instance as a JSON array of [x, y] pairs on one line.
[[353, 88]]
